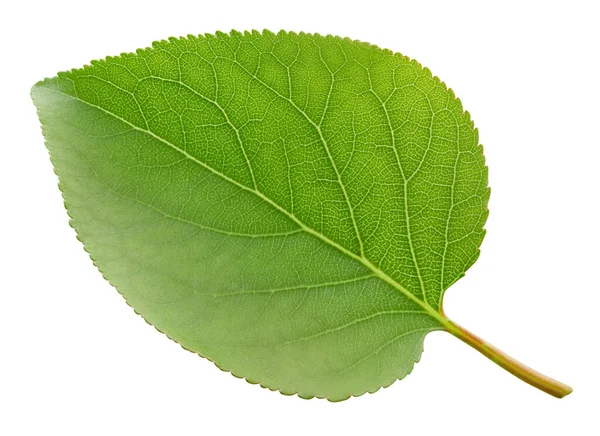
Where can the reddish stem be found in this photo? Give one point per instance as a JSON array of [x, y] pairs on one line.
[[525, 373]]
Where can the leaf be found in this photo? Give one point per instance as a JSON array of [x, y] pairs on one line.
[[290, 206]]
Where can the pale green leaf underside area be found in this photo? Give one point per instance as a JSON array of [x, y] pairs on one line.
[[291, 207]]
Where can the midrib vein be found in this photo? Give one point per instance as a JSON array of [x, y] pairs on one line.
[[316, 126], [363, 260], [203, 97]]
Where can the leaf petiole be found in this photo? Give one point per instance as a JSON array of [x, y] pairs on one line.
[[516, 368]]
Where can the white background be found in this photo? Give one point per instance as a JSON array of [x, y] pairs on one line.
[[76, 360]]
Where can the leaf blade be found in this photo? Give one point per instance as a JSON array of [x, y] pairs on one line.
[[332, 242]]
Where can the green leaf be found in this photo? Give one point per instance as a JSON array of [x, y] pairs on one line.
[[289, 206]]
